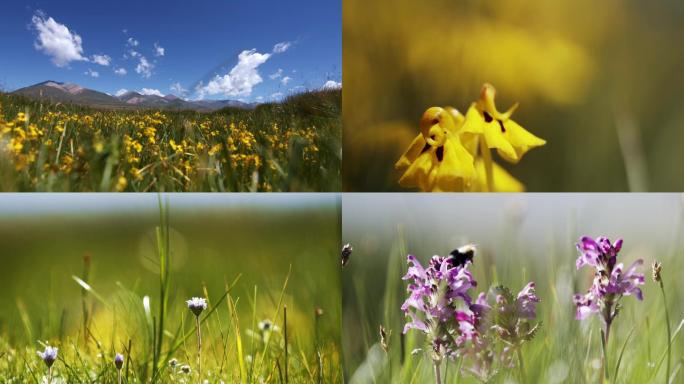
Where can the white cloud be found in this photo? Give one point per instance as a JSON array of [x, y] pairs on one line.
[[57, 41], [91, 73], [144, 67], [158, 50], [121, 92], [298, 88], [276, 95], [259, 98], [331, 84], [101, 59], [241, 78], [282, 47], [285, 80], [132, 53], [132, 42], [276, 74], [151, 92], [178, 89], [120, 71]]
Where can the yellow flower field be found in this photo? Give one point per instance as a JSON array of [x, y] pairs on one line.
[[275, 147]]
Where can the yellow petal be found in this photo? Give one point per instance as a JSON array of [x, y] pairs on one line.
[[411, 153], [475, 124], [473, 121], [456, 116], [496, 139], [417, 173], [521, 139], [457, 160], [503, 181]]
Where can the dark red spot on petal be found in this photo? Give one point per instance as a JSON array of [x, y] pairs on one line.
[[440, 153], [503, 129], [488, 118]]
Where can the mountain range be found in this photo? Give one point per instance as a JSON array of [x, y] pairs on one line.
[[75, 94]]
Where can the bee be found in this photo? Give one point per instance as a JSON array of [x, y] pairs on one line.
[[346, 253], [461, 255]]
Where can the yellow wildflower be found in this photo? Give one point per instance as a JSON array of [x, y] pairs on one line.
[[436, 159], [452, 152], [121, 184], [497, 129]]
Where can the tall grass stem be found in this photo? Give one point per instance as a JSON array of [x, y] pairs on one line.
[[667, 323]]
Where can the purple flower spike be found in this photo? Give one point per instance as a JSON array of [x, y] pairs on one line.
[[611, 282], [439, 303]]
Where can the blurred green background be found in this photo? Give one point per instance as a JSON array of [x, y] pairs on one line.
[[214, 238], [520, 238], [598, 80]]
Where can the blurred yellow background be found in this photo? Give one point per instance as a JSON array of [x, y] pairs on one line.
[[598, 80]]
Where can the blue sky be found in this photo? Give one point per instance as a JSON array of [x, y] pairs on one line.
[[251, 50]]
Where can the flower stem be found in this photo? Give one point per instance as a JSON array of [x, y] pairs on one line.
[[49, 375], [523, 377], [285, 332], [604, 342], [199, 349], [667, 320], [119, 371], [487, 156], [438, 377]]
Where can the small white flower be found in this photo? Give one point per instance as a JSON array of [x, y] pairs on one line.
[[118, 360], [197, 305], [49, 355]]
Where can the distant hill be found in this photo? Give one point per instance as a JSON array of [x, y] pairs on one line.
[[75, 94]]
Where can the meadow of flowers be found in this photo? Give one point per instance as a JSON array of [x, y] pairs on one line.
[[509, 310], [101, 318], [292, 146]]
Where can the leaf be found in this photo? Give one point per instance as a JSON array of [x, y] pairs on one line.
[[622, 351]]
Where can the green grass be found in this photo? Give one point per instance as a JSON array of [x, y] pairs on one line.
[[294, 145], [564, 350], [108, 302]]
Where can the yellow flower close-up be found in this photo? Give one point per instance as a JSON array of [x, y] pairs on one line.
[[452, 152], [437, 161]]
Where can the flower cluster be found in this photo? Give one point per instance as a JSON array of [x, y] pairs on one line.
[[452, 151], [611, 280], [485, 331], [501, 316], [439, 303]]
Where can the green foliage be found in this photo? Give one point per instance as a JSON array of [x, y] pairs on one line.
[[141, 313]]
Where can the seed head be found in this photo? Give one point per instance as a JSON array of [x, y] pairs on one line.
[[173, 362], [185, 369], [656, 268], [384, 338], [346, 253], [318, 312], [49, 355], [118, 361], [197, 305]]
